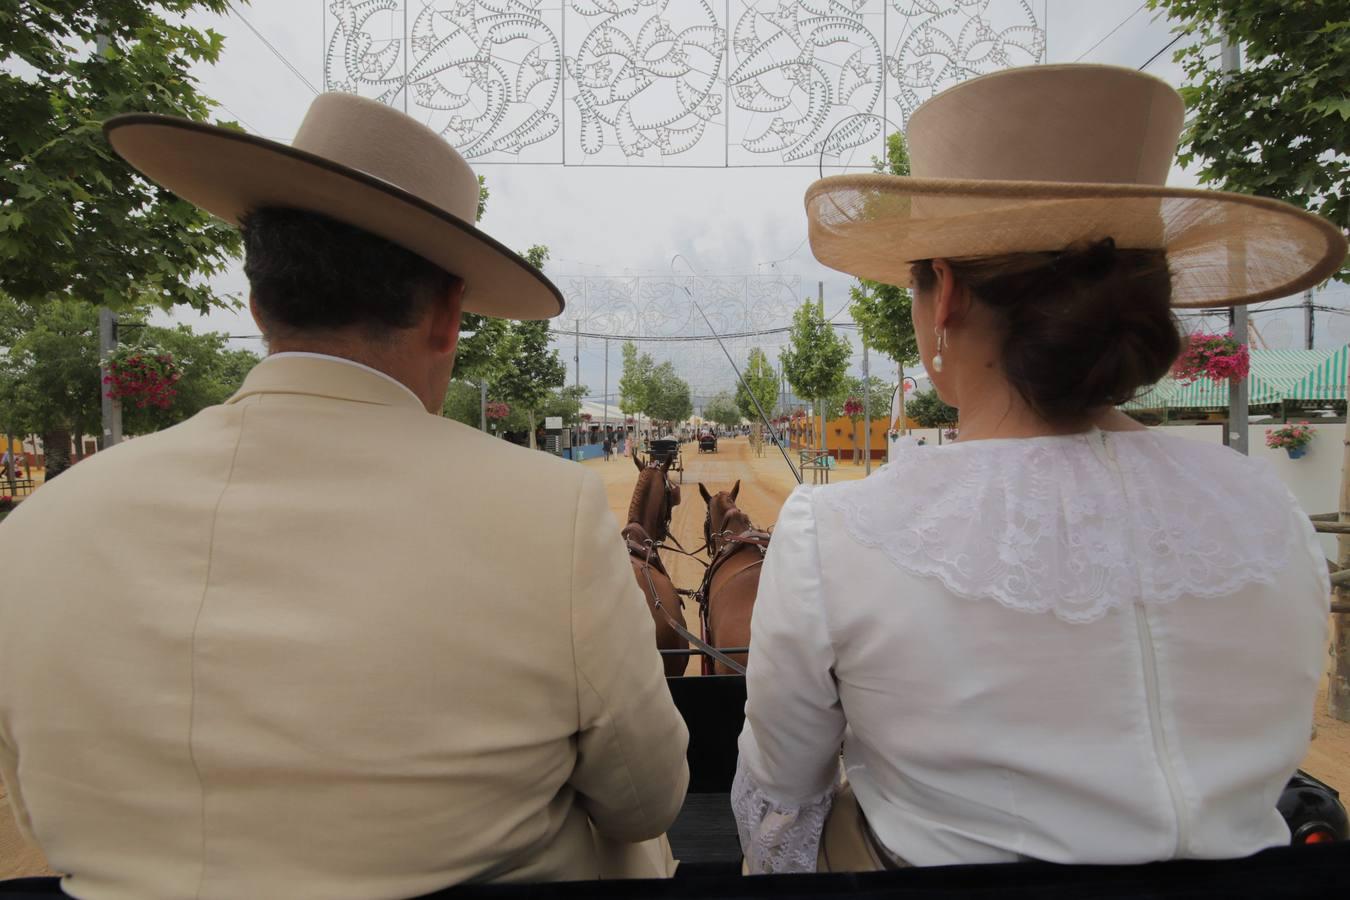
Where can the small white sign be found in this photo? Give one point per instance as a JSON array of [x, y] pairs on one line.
[[553, 422]]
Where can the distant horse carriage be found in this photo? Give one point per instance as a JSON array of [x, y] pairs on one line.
[[707, 442], [667, 451]]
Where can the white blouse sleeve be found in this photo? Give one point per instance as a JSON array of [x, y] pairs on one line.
[[789, 749]]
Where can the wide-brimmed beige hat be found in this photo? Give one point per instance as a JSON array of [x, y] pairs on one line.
[[359, 162], [1035, 159]]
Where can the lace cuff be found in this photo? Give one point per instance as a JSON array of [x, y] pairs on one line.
[[777, 837]]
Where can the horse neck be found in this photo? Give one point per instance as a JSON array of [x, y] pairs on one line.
[[648, 503]]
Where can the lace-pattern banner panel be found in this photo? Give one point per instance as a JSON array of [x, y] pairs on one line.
[[660, 82]]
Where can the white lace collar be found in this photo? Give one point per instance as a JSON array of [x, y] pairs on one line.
[[1075, 525]]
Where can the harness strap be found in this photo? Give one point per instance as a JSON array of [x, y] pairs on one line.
[[670, 536], [698, 642]]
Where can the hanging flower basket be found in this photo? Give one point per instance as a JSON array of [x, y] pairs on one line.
[[950, 434], [497, 410], [143, 375], [585, 417], [853, 407], [1218, 357], [1293, 439]]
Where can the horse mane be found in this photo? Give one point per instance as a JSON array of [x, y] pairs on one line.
[[640, 492]]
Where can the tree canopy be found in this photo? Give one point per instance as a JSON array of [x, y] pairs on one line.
[[928, 410], [721, 408], [884, 312], [75, 220], [667, 395], [635, 380], [1280, 127], [815, 359], [759, 374], [50, 378], [526, 368]]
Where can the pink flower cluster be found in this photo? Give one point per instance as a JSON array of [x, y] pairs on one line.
[[853, 407], [148, 379], [1290, 437], [497, 410], [1218, 357]]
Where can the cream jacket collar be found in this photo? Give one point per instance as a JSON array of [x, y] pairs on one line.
[[319, 375]]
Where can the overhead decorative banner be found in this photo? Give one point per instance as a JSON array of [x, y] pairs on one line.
[[661, 310], [670, 82]]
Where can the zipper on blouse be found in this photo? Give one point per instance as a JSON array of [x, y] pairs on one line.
[[1160, 747], [1150, 661]]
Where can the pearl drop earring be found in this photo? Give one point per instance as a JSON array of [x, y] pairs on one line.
[[941, 341]]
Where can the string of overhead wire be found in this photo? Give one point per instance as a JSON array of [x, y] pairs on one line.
[[1169, 45], [1119, 26], [275, 52]]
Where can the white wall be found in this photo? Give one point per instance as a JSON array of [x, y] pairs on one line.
[[1314, 480]]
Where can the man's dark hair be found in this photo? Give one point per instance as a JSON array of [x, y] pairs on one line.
[[310, 273]]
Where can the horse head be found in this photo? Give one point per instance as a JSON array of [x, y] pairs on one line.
[[722, 515], [654, 497]]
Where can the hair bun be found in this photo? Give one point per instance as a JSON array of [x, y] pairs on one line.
[[1087, 261]]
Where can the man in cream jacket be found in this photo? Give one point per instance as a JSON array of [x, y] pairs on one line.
[[320, 641]]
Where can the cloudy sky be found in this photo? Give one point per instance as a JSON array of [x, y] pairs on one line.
[[634, 221]]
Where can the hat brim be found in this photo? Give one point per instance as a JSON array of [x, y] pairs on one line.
[[230, 173], [1223, 249]]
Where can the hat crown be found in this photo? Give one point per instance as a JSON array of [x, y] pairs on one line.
[[375, 139], [1069, 123]]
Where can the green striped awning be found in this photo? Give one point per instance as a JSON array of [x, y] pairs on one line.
[[1326, 381], [1275, 375]]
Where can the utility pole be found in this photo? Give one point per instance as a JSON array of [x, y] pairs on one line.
[[867, 416], [576, 356], [605, 397], [820, 401], [107, 341], [1308, 323], [482, 404], [1231, 60], [111, 409]]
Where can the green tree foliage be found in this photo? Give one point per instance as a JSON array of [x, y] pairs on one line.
[[530, 368], [880, 399], [1281, 126], [884, 312], [211, 374], [816, 359], [928, 410], [668, 398], [479, 356], [635, 380], [759, 374], [75, 220], [462, 403], [723, 410], [523, 367], [50, 378]]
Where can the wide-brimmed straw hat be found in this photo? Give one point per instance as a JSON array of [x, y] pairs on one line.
[[354, 160], [1035, 159]]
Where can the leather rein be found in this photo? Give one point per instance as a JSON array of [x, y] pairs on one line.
[[646, 551]]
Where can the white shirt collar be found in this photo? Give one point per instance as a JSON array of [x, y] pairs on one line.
[[299, 354]]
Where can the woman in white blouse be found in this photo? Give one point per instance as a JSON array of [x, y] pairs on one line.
[[1064, 637]]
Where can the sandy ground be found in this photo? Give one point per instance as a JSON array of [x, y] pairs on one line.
[[765, 485]]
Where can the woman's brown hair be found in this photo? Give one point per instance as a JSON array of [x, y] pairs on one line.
[[1083, 328]]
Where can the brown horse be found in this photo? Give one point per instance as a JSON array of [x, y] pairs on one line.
[[654, 498], [737, 550]]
